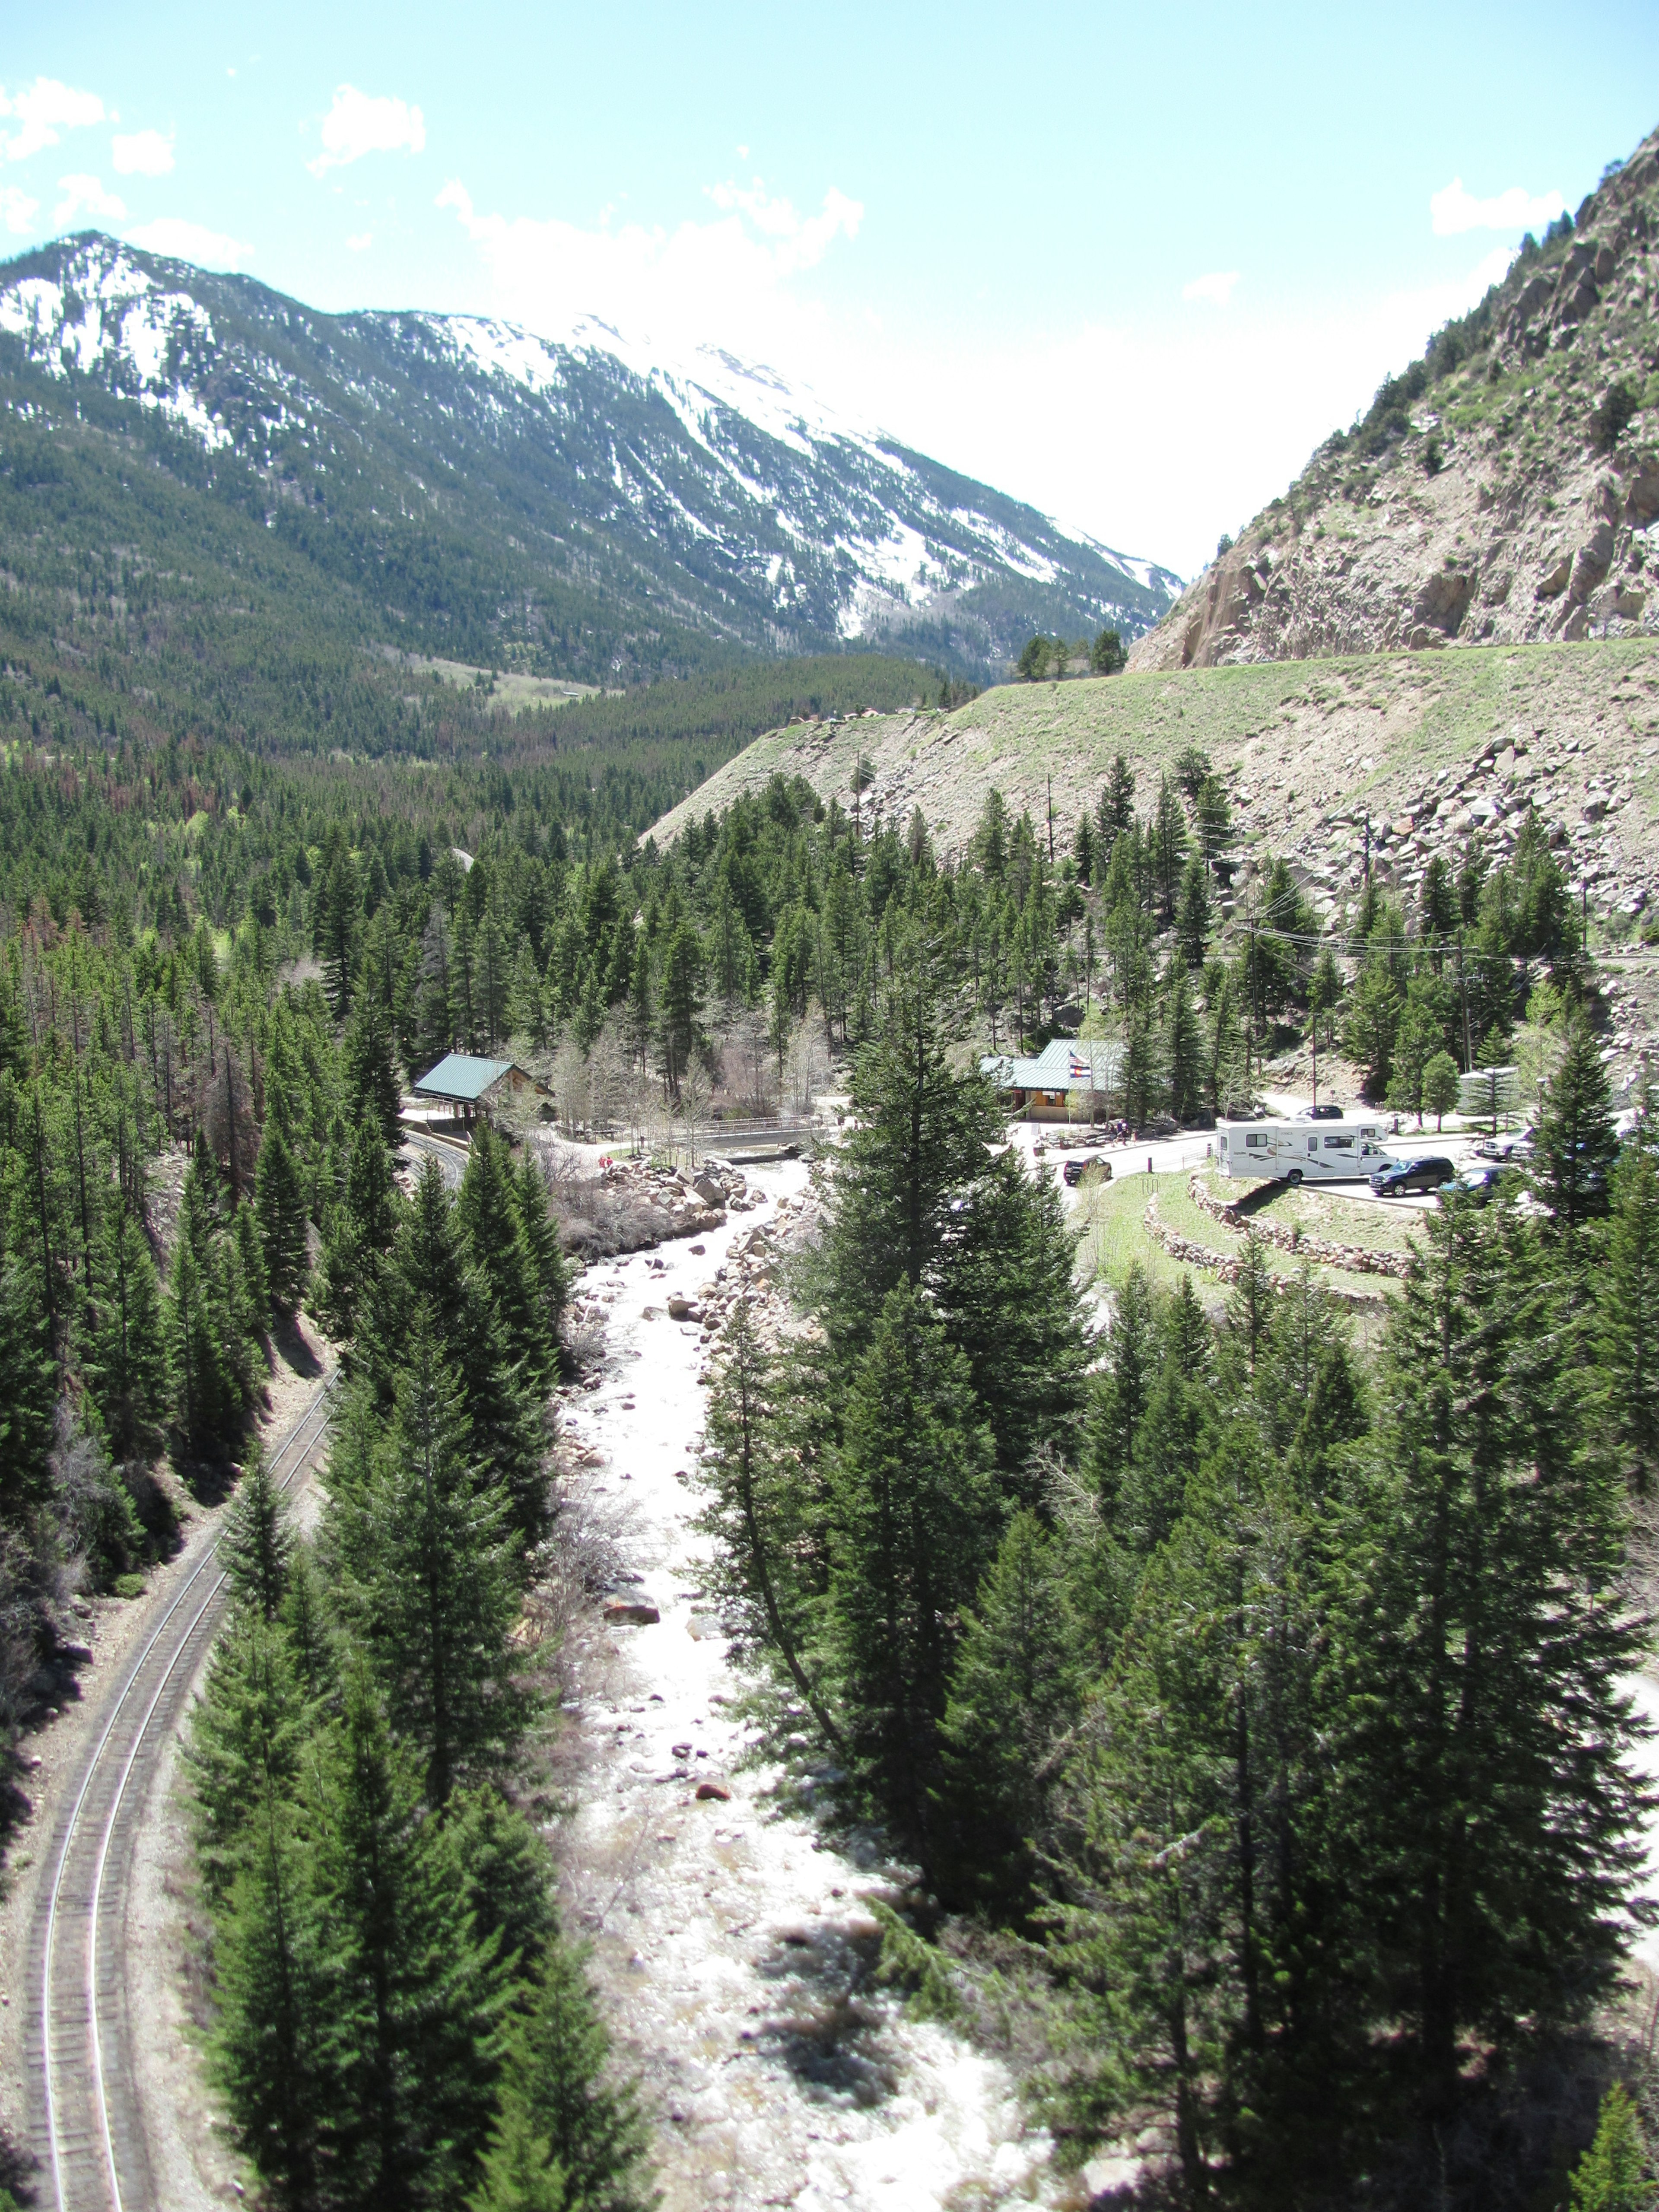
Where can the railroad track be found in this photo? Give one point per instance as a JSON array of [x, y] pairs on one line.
[[86, 2124]]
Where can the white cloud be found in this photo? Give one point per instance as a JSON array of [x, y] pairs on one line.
[[1207, 452], [802, 241], [190, 241], [143, 154], [1217, 287], [360, 242], [41, 110], [1454, 210], [84, 195], [360, 123], [726, 280], [17, 211]]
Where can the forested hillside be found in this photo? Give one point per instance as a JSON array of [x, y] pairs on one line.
[[1125, 1642]]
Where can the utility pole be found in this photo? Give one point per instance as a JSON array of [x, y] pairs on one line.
[[1463, 985]]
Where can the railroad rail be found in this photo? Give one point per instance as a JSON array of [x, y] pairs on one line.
[[87, 2125]]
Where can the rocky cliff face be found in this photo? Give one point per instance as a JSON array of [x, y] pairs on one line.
[[1502, 490]]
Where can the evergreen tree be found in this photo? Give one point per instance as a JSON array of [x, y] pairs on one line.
[[1575, 1145], [424, 1576], [412, 2001], [1630, 1315], [247, 1741], [127, 1354], [269, 2048], [279, 1208], [256, 1545], [762, 1512], [205, 1399], [373, 1091], [1182, 1045], [1014, 1689], [559, 2106], [487, 1211], [1441, 1088], [28, 1383], [550, 1268], [915, 1516], [1193, 920], [1614, 2174], [1484, 1648]]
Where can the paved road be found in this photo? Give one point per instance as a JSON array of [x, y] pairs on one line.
[[450, 1157], [85, 2122]]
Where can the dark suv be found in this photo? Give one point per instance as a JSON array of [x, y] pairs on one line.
[[1402, 1176], [1074, 1171], [1323, 1113]]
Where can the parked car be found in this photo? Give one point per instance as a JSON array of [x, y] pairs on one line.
[[1514, 1149], [1074, 1171], [1399, 1177], [1320, 1114], [1477, 1182]]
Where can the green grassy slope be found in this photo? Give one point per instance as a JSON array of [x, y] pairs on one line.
[[1348, 733]]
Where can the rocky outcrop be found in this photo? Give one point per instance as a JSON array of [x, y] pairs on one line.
[[1508, 502]]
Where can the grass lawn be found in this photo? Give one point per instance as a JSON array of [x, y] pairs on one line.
[[1114, 1234], [1324, 1213]]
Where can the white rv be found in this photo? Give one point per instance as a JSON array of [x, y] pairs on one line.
[[1300, 1151]]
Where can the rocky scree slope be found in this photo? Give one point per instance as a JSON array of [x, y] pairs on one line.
[[1504, 489], [587, 502]]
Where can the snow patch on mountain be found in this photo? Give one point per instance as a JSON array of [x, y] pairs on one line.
[[759, 506]]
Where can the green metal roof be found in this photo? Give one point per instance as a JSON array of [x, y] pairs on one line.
[[459, 1075]]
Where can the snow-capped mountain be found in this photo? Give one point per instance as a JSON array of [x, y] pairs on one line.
[[695, 492]]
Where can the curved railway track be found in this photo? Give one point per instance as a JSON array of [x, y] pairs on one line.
[[85, 2123]]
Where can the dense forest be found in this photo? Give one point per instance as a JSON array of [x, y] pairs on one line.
[[1264, 1696]]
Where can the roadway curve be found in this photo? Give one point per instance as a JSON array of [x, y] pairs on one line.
[[86, 2122]]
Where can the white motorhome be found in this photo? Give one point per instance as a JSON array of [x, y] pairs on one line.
[[1300, 1151]]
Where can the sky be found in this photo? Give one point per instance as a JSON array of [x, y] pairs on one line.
[[1132, 267]]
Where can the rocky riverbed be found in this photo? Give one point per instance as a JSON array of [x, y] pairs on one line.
[[733, 1940]]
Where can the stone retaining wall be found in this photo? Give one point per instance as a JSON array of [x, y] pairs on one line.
[[1188, 1252], [1352, 1259]]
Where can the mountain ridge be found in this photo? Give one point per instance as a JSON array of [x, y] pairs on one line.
[[1499, 491], [705, 499]]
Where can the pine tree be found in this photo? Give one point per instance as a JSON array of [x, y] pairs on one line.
[[247, 1737], [1630, 1315], [279, 1208], [1614, 2174], [1182, 1045], [551, 1271], [204, 1392], [373, 1094], [126, 1355], [1120, 1393], [269, 2050], [915, 1514], [488, 1212], [1484, 1646], [1250, 1302], [1574, 1144], [558, 2101], [1175, 1429], [762, 1512], [256, 1545], [424, 1576], [520, 2173], [1014, 1689], [413, 2002], [1193, 920], [28, 1383]]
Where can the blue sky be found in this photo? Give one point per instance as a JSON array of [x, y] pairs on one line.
[[1132, 267]]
